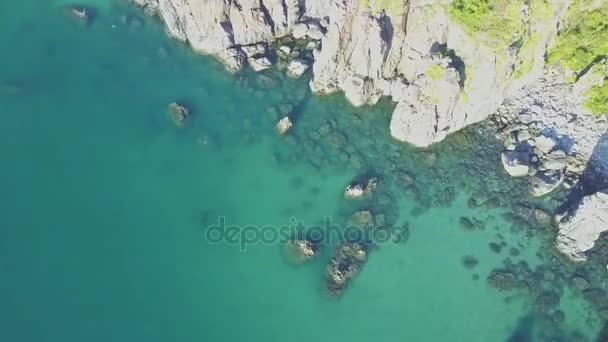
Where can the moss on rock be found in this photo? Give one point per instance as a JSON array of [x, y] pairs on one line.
[[392, 7], [435, 72]]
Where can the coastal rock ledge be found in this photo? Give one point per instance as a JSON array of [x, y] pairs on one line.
[[441, 75], [579, 230]]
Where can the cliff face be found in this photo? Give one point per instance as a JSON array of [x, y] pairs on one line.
[[442, 74]]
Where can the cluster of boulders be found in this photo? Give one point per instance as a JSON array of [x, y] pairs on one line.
[[536, 153], [343, 266], [352, 251], [295, 53]]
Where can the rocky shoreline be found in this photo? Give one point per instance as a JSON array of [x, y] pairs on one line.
[[542, 124], [420, 59], [415, 52]]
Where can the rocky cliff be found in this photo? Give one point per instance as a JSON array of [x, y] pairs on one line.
[[446, 63]]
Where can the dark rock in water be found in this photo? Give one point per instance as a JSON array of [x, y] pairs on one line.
[[475, 276], [603, 334], [337, 139], [302, 250], [361, 187], [514, 251], [178, 114], [343, 266], [84, 14], [547, 301], [471, 223], [558, 317], [596, 297], [502, 280], [404, 179], [445, 197], [469, 261], [495, 247], [580, 283]]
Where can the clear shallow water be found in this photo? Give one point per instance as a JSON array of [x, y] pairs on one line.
[[105, 203]]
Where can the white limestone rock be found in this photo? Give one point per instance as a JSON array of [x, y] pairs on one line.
[[579, 231], [259, 64], [284, 125], [297, 67], [368, 56], [517, 164]]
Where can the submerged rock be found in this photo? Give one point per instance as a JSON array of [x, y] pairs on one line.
[[471, 223], [84, 14], [363, 219], [469, 261], [343, 266], [579, 230], [502, 280], [404, 178], [302, 250], [178, 114], [547, 301]]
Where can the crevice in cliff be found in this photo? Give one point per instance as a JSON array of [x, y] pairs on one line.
[[285, 11], [456, 62], [267, 17], [588, 67], [404, 16]]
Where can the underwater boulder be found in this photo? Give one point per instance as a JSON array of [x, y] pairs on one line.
[[178, 114], [301, 250], [83, 14], [344, 266]]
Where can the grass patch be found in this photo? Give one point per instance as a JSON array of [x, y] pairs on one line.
[[583, 41], [435, 72], [597, 100], [500, 20], [392, 7]]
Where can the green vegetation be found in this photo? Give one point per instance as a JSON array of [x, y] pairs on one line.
[[583, 41], [597, 99], [581, 46], [392, 7], [525, 56], [435, 72], [500, 20]]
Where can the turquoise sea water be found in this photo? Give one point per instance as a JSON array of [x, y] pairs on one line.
[[106, 203]]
